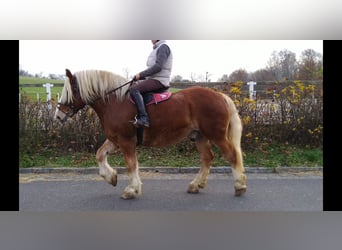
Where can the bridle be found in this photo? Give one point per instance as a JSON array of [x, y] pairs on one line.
[[72, 108], [75, 91]]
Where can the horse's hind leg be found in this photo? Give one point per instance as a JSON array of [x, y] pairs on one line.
[[200, 180], [107, 172], [234, 156]]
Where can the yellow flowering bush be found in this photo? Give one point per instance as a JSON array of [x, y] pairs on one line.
[[289, 112]]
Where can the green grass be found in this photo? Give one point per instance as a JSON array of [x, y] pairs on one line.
[[31, 92], [31, 80], [285, 156], [174, 156]]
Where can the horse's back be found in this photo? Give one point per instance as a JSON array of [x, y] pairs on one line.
[[192, 109], [201, 94], [205, 102], [193, 103]]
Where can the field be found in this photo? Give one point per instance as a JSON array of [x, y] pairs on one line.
[[38, 93], [33, 80]]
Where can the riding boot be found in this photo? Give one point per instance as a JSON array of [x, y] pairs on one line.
[[142, 119]]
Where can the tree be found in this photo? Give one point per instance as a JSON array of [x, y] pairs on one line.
[[177, 78], [126, 72], [239, 75], [193, 77], [288, 64], [262, 75], [283, 65], [310, 65], [23, 72], [224, 78], [207, 75]]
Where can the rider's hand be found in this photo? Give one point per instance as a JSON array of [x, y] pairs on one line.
[[136, 77]]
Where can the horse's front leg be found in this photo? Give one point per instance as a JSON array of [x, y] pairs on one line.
[[133, 189], [105, 170]]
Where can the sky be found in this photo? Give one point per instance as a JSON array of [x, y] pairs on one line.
[[128, 57]]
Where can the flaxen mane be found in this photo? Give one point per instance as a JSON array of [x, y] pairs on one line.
[[94, 84]]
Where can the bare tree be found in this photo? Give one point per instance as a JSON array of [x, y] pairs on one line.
[[207, 75], [224, 78], [126, 72], [283, 65], [193, 77], [239, 75], [262, 75], [310, 65], [177, 78], [273, 66], [288, 64]]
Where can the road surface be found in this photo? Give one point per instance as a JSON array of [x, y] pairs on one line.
[[167, 192]]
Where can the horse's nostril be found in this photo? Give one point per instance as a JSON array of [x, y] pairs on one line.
[[57, 117]]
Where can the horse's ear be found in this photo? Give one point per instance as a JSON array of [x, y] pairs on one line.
[[68, 73]]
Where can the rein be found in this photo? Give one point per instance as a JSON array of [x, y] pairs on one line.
[[113, 90], [130, 82]]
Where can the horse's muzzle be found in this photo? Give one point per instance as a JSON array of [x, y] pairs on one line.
[[61, 116]]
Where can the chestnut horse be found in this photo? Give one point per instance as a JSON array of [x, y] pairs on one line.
[[207, 116]]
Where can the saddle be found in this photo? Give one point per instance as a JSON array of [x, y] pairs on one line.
[[155, 96]]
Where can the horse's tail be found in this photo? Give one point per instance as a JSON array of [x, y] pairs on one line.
[[234, 131]]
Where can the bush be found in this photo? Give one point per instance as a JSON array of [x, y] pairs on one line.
[[39, 132], [294, 115]]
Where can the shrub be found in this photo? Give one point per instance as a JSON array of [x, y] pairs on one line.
[[294, 115]]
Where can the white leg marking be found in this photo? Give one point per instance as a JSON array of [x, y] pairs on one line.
[[105, 170], [199, 181], [135, 183], [239, 179]]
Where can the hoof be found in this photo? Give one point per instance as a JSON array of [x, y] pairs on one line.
[[127, 196], [130, 193], [202, 185], [193, 189], [239, 192], [114, 180], [111, 179]]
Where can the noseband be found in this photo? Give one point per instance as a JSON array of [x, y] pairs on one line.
[[72, 109]]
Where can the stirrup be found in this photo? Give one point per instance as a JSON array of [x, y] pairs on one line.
[[136, 123]]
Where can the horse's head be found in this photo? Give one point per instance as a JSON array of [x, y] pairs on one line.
[[70, 102]]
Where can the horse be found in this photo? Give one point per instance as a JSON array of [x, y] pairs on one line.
[[207, 116]]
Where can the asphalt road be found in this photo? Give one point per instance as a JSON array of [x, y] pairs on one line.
[[167, 192]]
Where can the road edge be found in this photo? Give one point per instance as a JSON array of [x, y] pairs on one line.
[[168, 170]]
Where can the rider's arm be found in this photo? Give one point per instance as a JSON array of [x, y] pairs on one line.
[[162, 54]]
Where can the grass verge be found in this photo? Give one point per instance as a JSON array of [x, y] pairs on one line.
[[272, 156]]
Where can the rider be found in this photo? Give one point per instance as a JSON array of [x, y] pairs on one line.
[[156, 76]]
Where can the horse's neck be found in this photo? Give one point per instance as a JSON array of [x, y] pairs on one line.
[[112, 105]]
